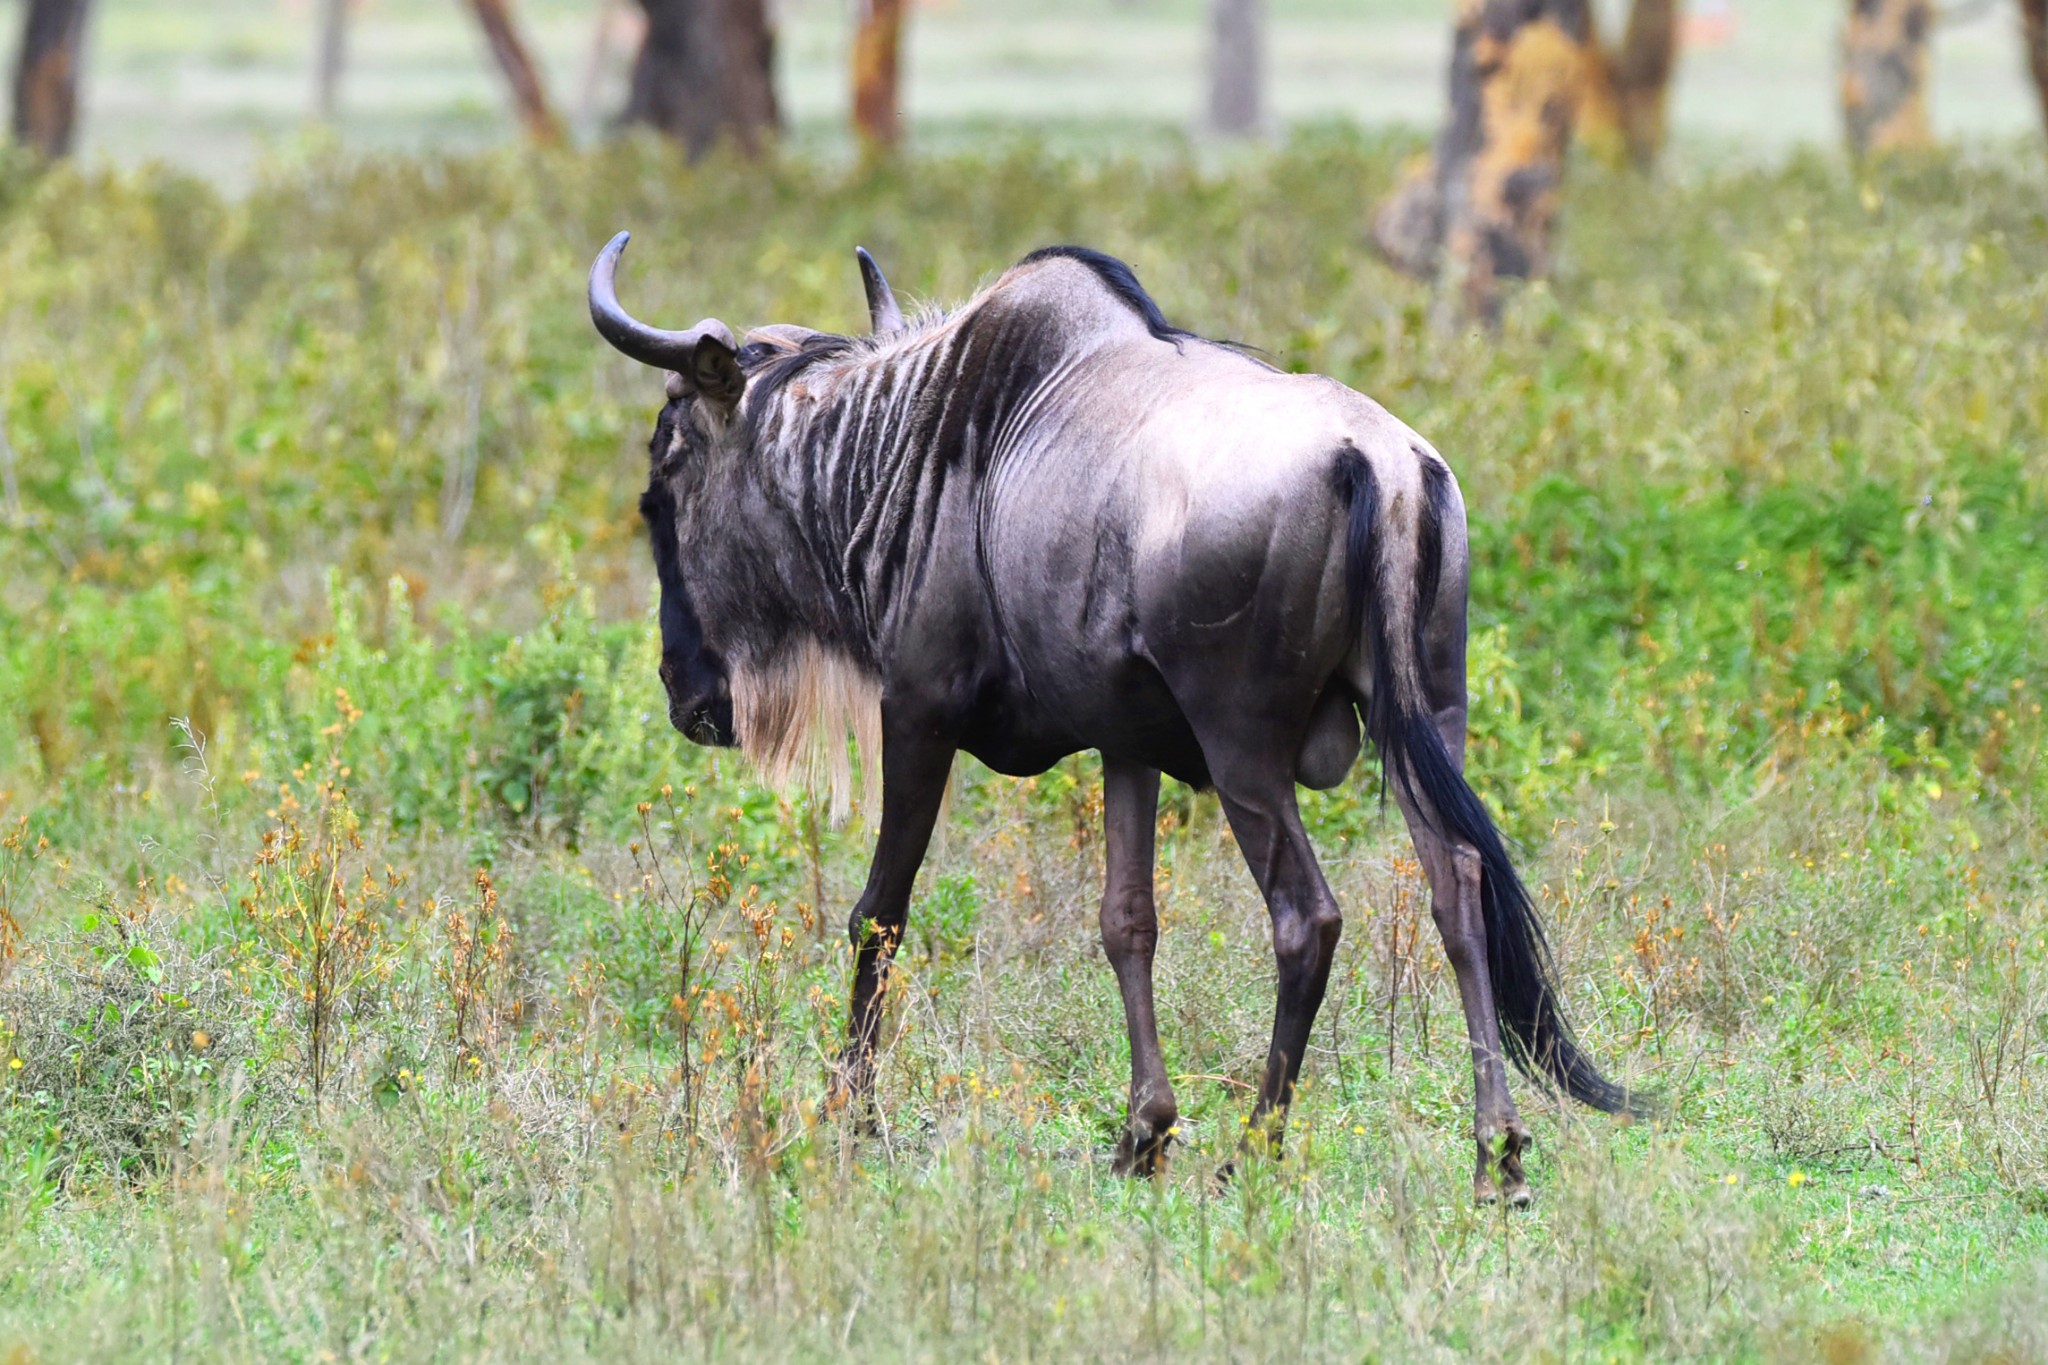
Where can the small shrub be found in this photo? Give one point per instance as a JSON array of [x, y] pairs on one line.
[[120, 1038], [476, 974], [316, 908]]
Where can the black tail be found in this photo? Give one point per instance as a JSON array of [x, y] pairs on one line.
[[1532, 1024], [1534, 1031]]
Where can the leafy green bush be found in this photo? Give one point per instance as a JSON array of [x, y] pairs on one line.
[[1802, 473]]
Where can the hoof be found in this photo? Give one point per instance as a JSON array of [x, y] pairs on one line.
[[1142, 1150], [1500, 1154], [1485, 1194]]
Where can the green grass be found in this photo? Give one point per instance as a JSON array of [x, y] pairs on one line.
[[1759, 489]]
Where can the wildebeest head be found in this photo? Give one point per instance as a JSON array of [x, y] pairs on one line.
[[705, 385], [701, 484], [694, 673]]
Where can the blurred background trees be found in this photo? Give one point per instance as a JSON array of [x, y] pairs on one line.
[[1884, 74], [877, 45], [702, 69], [705, 70], [46, 74], [1629, 91], [508, 49], [1511, 84], [2034, 34], [1237, 61], [1480, 207], [179, 78], [330, 57]]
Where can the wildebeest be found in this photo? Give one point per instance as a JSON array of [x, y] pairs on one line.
[[1051, 521]]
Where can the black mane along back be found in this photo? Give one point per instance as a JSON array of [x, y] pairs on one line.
[[1121, 281]]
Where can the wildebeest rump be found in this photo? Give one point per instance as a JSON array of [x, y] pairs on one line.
[[1051, 521]]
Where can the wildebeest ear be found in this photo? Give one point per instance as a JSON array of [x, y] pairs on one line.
[[714, 367]]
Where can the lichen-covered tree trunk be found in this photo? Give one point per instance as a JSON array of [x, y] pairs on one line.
[[1884, 74], [1624, 114], [1482, 206], [877, 48], [1237, 66], [2034, 30], [705, 70], [528, 91], [46, 75]]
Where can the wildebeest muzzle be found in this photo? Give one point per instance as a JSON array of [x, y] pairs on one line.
[[699, 705]]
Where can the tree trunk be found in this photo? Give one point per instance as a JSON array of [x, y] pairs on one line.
[[1237, 66], [877, 48], [1481, 208], [2034, 27], [330, 58], [1624, 114], [1884, 74], [520, 73], [674, 85], [748, 41], [46, 75], [705, 70]]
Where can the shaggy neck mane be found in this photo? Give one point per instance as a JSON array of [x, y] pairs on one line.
[[859, 443], [797, 706], [770, 366]]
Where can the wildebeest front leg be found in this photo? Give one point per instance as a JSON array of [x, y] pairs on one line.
[[1306, 925], [1454, 874], [1130, 932], [915, 765]]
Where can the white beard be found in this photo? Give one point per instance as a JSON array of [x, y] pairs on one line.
[[795, 715]]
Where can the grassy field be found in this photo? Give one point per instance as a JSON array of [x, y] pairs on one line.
[[380, 978], [209, 86]]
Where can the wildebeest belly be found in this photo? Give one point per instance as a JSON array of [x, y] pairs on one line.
[[1127, 712]]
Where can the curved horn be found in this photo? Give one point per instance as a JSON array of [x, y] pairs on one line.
[[882, 309], [648, 345]]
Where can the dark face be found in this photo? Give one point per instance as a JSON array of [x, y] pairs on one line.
[[699, 690]]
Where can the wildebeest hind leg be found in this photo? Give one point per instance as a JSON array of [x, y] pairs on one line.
[[1256, 784], [1130, 932], [915, 765], [1454, 873]]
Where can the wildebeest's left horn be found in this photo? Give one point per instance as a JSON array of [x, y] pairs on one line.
[[882, 309], [648, 345]]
